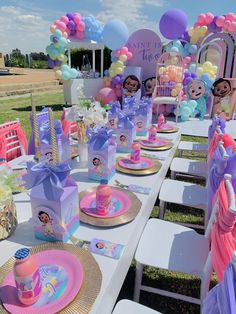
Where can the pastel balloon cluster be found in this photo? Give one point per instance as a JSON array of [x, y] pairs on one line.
[[71, 24], [117, 84], [196, 33], [56, 49], [175, 47], [207, 68], [172, 77], [188, 77], [204, 19], [67, 73], [227, 22], [187, 109], [93, 28], [123, 54], [207, 80]]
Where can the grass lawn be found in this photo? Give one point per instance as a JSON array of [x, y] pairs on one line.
[[20, 108]]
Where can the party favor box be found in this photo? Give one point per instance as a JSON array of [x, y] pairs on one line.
[[54, 201], [125, 134], [101, 155], [142, 119]]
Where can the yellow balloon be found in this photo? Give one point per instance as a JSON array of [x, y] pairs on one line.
[[174, 60], [123, 58], [119, 70], [58, 74], [119, 64], [200, 71], [174, 92], [60, 57], [161, 70], [204, 29], [207, 66], [214, 68], [191, 31]]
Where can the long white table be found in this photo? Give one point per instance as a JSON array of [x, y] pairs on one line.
[[113, 271], [194, 127]]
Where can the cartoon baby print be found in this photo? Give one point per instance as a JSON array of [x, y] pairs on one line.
[[149, 86], [196, 90], [97, 165], [123, 140], [131, 85], [47, 223], [224, 98], [139, 125]]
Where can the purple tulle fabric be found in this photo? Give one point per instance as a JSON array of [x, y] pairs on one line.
[[215, 122], [222, 298], [219, 167]]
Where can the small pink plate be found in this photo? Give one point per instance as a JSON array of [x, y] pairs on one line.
[[145, 163], [62, 277], [120, 204], [157, 143]]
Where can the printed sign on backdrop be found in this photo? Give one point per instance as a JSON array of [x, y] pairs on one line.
[[146, 47]]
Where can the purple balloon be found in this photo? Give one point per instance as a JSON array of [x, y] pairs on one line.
[[55, 39], [193, 75], [73, 32], [187, 80], [57, 63], [70, 16], [187, 74], [51, 63], [71, 25], [173, 23]]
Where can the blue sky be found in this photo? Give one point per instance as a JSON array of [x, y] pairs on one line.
[[25, 24]]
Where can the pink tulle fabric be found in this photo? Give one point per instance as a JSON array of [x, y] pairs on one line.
[[213, 145], [13, 129], [223, 234], [68, 127]]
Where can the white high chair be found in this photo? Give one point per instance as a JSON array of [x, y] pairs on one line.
[[163, 94], [173, 247]]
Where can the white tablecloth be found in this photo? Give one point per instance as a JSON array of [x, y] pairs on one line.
[[113, 271]]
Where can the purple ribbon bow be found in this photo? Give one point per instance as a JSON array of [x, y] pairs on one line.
[[101, 138]]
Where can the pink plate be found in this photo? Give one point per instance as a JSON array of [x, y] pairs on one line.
[[62, 278], [120, 204], [145, 163], [166, 127], [157, 143]]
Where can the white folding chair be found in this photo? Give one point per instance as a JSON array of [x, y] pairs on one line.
[[190, 167], [130, 307], [186, 194], [173, 247]]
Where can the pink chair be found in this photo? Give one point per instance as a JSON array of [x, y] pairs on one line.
[[13, 141], [68, 126]]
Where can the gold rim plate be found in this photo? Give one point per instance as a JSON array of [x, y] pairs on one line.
[[128, 216], [140, 172], [157, 148], [91, 286], [174, 130]]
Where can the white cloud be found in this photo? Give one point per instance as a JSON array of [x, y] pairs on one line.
[[25, 30], [129, 11]]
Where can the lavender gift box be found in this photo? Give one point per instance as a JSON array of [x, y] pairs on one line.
[[125, 134], [142, 120], [101, 155], [54, 201], [63, 143]]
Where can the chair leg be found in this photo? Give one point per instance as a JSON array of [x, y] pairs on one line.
[[180, 153], [162, 209], [173, 175], [138, 281], [205, 281]]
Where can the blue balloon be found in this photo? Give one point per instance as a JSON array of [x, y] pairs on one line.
[[65, 67], [115, 34], [73, 73], [66, 75]]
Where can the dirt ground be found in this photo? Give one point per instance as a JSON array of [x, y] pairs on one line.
[[24, 76]]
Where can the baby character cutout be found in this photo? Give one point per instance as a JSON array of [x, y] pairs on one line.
[[123, 140], [47, 223], [149, 86], [97, 165], [131, 85], [197, 91], [225, 98]]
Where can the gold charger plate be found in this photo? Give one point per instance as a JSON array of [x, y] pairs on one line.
[[175, 129], [140, 172], [128, 216], [91, 286], [157, 148]]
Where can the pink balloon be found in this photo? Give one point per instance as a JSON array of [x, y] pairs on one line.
[[105, 95], [198, 24], [77, 18], [53, 28], [129, 55], [226, 25], [220, 21], [117, 53], [79, 35], [187, 59], [201, 18], [209, 17], [68, 31], [124, 50], [65, 19], [81, 26], [230, 16], [60, 25], [233, 24]]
